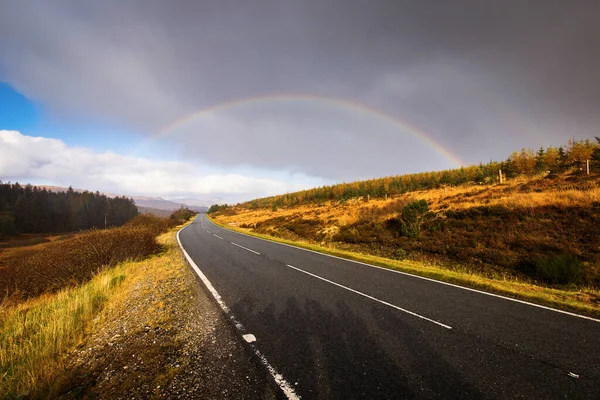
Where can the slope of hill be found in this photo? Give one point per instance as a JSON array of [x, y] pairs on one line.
[[507, 230], [518, 238]]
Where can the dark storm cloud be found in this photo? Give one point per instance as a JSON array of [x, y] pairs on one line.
[[482, 77]]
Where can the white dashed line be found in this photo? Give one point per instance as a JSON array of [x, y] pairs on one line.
[[218, 236], [499, 296], [372, 298], [250, 338], [285, 387], [245, 248]]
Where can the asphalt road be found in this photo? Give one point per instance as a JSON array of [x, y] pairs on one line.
[[332, 328]]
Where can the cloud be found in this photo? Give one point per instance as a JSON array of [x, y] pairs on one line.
[[50, 161], [482, 78]]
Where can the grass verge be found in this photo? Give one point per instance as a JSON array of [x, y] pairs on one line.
[[578, 300], [37, 335], [34, 334]]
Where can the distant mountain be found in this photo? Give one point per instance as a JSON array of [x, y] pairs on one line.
[[162, 204], [193, 201], [151, 205], [154, 211]]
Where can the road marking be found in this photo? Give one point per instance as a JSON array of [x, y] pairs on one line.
[[245, 248], [372, 298], [215, 235], [285, 387], [250, 338], [499, 296]]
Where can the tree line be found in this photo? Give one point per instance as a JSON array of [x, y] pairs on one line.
[[29, 209], [527, 162], [216, 207]]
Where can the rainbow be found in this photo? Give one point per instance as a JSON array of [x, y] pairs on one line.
[[325, 100]]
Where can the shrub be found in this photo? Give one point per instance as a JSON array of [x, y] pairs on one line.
[[412, 217], [400, 254], [560, 269], [183, 214], [306, 228], [216, 207]]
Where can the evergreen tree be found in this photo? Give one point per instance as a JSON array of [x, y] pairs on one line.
[[33, 210]]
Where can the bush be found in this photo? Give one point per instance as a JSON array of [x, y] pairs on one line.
[[306, 228], [400, 254], [216, 207], [183, 214], [412, 217], [560, 269]]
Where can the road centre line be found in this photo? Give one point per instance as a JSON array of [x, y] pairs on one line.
[[372, 298], [499, 296], [245, 248], [354, 291], [218, 236]]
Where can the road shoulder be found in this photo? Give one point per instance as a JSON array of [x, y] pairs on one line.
[[163, 337]]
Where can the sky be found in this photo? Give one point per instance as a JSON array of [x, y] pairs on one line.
[[225, 101]]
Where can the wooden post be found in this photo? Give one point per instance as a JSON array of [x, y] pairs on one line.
[[587, 166], [500, 175], [386, 196], [368, 198]]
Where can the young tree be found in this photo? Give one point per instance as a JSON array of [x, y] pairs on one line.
[[524, 162], [579, 152], [539, 160], [551, 159], [596, 153]]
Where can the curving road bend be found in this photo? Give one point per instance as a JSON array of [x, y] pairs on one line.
[[325, 327]]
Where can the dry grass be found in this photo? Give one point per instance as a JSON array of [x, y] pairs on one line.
[[511, 195], [516, 194], [493, 232], [35, 335]]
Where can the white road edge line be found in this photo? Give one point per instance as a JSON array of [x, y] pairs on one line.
[[215, 235], [372, 298], [245, 248], [287, 389], [499, 296]]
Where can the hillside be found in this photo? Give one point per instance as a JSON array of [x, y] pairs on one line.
[[541, 227]]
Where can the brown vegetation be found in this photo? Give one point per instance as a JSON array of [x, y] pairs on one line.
[[542, 230], [62, 263]]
